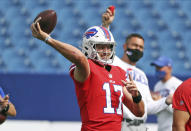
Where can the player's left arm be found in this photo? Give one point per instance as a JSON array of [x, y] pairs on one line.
[[180, 118], [133, 99]]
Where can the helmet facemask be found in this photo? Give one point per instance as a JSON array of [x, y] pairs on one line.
[[105, 52]]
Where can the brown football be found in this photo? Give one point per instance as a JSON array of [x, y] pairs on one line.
[[3, 117], [48, 20]]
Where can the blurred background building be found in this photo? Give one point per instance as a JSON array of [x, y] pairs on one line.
[[29, 68]]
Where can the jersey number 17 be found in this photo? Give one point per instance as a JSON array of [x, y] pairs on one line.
[[109, 108]]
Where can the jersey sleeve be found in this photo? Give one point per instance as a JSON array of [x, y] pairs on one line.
[[72, 68], [2, 92], [179, 101]]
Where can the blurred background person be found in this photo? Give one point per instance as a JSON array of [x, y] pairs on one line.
[[166, 85], [182, 107], [133, 49]]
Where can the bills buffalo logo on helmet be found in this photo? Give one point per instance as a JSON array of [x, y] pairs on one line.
[[90, 33]]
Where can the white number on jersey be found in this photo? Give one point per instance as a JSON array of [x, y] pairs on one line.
[[109, 108]]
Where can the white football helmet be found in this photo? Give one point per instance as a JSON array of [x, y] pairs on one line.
[[98, 35]]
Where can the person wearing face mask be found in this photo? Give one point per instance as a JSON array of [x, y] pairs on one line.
[[133, 49], [166, 85]]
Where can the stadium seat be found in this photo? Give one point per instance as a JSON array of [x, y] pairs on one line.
[[4, 4], [150, 36], [14, 60], [4, 32], [63, 62], [165, 26]]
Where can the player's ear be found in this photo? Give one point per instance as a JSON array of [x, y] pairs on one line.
[[170, 68], [124, 46]]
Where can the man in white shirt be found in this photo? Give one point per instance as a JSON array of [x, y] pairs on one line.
[[133, 51], [166, 85]]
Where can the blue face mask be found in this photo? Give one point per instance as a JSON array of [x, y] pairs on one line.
[[160, 74]]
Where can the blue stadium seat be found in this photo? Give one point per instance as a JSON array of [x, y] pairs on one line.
[[14, 60], [6, 43], [63, 62], [144, 4], [44, 65], [185, 6], [34, 4], [103, 4], [165, 25], [154, 45], [182, 55], [63, 4], [7, 4], [92, 16], [42, 60], [170, 14], [181, 68], [19, 32], [2, 65], [187, 66], [180, 45], [93, 3], [165, 5], [3, 22], [168, 39]]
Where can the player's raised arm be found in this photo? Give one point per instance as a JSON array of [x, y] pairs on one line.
[[133, 99], [108, 16], [70, 52]]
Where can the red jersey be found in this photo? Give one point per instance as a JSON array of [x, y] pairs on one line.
[[182, 100], [100, 98]]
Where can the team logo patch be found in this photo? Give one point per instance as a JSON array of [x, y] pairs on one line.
[[90, 33]]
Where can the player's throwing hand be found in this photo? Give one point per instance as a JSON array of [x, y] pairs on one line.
[[37, 32]]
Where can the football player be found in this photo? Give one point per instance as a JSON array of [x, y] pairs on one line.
[[100, 88]]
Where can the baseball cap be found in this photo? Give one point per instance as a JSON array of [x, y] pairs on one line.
[[162, 61]]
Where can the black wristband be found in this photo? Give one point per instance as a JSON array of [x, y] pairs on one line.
[[5, 109], [138, 98]]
